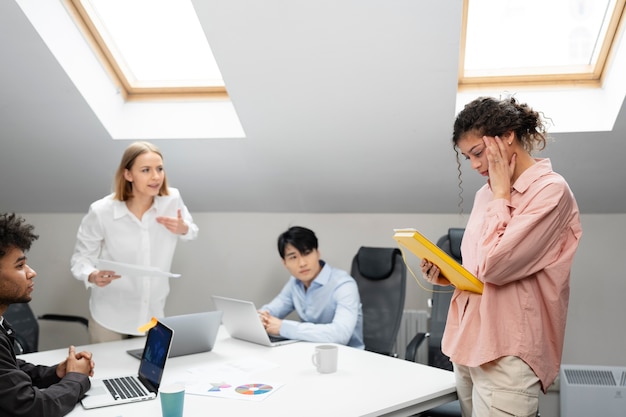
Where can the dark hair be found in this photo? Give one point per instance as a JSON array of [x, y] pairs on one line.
[[15, 234], [300, 238], [487, 116]]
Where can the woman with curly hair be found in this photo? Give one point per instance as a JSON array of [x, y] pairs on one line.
[[520, 240]]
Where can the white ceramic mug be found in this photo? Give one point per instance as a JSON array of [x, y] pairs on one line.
[[325, 358]]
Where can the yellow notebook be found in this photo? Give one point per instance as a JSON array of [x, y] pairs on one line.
[[423, 248]]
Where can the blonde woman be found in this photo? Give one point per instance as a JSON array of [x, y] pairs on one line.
[[140, 223]]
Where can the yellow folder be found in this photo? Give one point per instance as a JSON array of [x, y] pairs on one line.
[[423, 248]]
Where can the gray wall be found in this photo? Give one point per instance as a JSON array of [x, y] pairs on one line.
[[235, 255]]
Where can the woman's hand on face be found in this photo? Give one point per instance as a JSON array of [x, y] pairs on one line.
[[175, 225], [501, 166]]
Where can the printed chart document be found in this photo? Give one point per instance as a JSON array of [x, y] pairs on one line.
[[122, 269], [449, 267], [233, 380]]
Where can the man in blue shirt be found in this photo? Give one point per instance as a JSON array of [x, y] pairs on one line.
[[326, 299]]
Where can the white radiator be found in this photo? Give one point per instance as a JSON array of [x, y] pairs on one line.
[[413, 322], [593, 391]]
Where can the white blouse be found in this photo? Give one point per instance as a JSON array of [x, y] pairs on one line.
[[110, 231]]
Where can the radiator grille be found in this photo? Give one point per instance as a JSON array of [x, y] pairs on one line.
[[413, 322], [590, 377], [622, 382]]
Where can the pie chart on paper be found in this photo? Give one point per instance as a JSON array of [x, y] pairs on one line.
[[253, 389]]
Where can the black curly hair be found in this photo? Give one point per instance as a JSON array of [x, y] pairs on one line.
[[488, 116], [14, 233]]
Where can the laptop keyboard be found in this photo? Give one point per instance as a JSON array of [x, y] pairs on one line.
[[125, 387], [275, 339]]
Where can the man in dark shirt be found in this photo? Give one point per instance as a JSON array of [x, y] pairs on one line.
[[28, 390]]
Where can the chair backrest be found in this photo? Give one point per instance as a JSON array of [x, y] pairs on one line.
[[25, 325], [451, 244], [380, 274]]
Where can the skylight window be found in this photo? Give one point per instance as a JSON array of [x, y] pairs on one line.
[[534, 41], [152, 46]]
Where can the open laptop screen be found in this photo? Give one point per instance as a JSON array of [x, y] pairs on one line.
[[155, 354]]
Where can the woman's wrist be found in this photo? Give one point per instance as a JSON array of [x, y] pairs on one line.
[[91, 278]]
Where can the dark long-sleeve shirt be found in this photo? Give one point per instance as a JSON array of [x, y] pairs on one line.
[[28, 390]]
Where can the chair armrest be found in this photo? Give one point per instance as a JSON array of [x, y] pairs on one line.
[[414, 344], [65, 317]]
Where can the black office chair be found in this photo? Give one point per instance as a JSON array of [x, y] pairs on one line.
[[380, 274], [26, 326], [440, 302]]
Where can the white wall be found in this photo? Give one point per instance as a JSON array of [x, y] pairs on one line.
[[236, 255]]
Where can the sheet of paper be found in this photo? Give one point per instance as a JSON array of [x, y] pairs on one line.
[[234, 369], [232, 380], [122, 269], [250, 389]]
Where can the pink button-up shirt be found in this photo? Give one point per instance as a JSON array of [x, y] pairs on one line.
[[523, 252]]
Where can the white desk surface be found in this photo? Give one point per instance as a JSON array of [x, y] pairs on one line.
[[365, 384]]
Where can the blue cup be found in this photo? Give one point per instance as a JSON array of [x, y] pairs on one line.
[[172, 400]]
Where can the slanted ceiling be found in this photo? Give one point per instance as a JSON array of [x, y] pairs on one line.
[[347, 107]]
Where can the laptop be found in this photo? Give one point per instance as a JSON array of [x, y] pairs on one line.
[[195, 333], [143, 386], [241, 320]]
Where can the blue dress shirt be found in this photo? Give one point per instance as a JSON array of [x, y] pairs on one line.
[[330, 310]]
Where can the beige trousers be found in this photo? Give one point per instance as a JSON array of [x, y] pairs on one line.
[[99, 334], [503, 388]]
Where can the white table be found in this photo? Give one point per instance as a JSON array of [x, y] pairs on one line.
[[366, 384]]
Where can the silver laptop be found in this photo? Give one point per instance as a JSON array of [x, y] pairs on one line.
[[241, 320], [140, 387], [195, 333]]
